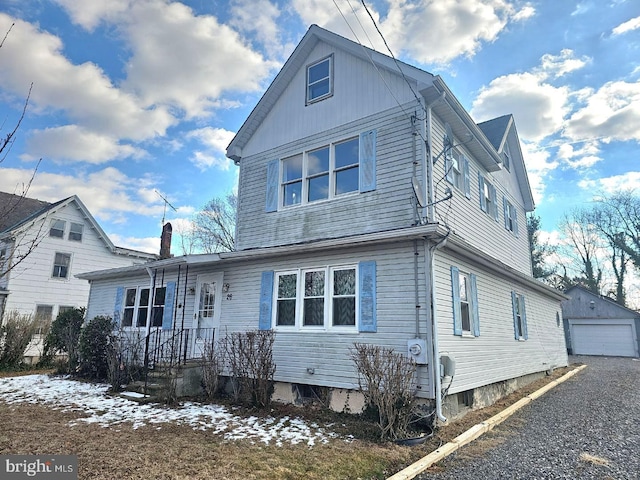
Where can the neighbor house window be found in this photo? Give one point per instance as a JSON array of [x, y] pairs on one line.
[[57, 228], [465, 303], [519, 316], [319, 80], [136, 307], [75, 231], [3, 260], [61, 263], [488, 197], [321, 174], [457, 171], [44, 313], [510, 216], [316, 298], [64, 309]]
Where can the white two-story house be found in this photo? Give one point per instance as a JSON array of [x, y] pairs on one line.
[[371, 209], [43, 246]]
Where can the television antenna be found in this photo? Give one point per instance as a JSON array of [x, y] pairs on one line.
[[166, 202]]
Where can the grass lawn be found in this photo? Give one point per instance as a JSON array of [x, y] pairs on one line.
[[173, 451]]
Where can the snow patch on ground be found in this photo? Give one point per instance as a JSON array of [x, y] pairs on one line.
[[105, 410]]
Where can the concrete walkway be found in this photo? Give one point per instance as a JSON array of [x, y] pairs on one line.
[[586, 428]]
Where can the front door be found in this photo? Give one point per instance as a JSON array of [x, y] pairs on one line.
[[207, 307]]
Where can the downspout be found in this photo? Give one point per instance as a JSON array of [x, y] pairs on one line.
[[429, 260]]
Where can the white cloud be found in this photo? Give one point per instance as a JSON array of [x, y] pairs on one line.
[[587, 155], [90, 14], [264, 26], [145, 244], [539, 165], [627, 26], [559, 65], [216, 141], [446, 29], [76, 144], [617, 183], [612, 112]]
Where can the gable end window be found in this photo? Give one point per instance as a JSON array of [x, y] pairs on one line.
[[61, 263], [320, 80], [75, 231], [464, 289], [506, 157], [519, 316], [510, 216], [57, 228]]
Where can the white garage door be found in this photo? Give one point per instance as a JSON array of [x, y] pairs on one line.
[[603, 339]]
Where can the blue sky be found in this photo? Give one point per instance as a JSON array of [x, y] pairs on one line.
[[134, 97]]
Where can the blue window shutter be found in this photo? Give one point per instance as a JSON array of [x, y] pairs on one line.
[[475, 317], [367, 320], [494, 200], [514, 302], [273, 180], [483, 199], [467, 177], [368, 161], [455, 294], [266, 300], [523, 312], [117, 309], [169, 302]]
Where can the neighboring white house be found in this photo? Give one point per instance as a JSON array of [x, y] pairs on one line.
[[371, 209], [64, 240], [596, 325]]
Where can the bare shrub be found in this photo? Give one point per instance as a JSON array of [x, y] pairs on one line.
[[387, 381], [126, 359], [249, 357], [15, 334], [212, 362]]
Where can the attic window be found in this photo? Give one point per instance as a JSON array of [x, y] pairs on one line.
[[506, 155], [320, 80], [57, 228], [75, 232]]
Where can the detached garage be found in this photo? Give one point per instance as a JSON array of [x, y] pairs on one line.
[[596, 325]]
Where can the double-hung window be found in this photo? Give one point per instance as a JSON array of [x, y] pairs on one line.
[[323, 298], [466, 321], [57, 228], [75, 231], [506, 157], [136, 306], [457, 171], [321, 174], [488, 197], [320, 80], [519, 316], [61, 263], [510, 216]]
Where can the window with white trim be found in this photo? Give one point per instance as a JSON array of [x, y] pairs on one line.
[[44, 313], [457, 171], [75, 231], [488, 197], [506, 157], [61, 262], [316, 298], [510, 216], [136, 307], [321, 174], [57, 228], [519, 316], [320, 80], [465, 303], [3, 260]]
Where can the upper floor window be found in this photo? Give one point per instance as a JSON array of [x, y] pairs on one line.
[[61, 263], [320, 80], [57, 228], [75, 231], [510, 216], [321, 174], [506, 157], [457, 171], [316, 298], [488, 197]]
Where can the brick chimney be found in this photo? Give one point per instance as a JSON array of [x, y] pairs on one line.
[[165, 241]]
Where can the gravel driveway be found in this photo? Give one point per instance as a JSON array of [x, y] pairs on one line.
[[586, 428]]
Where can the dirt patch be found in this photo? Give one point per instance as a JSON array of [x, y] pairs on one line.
[[170, 451]]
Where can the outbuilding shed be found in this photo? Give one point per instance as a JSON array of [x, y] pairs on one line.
[[596, 325]]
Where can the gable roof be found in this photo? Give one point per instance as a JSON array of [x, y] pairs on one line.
[[16, 209], [498, 131], [600, 298], [30, 210], [430, 86]]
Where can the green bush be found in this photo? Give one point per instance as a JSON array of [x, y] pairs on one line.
[[95, 347], [63, 337], [15, 335]]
